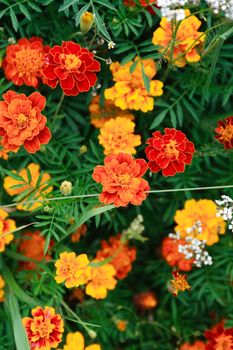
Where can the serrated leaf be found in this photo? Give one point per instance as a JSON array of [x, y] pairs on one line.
[[100, 24], [158, 120]]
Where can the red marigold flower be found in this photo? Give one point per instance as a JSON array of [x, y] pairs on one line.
[[144, 3], [225, 132], [169, 152], [121, 180], [219, 338], [197, 345], [44, 329], [173, 257], [123, 256], [24, 61], [21, 121], [72, 66]]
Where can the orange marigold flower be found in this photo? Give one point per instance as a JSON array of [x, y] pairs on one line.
[[179, 283], [117, 135], [10, 184], [169, 152], [101, 280], [2, 285], [199, 219], [76, 341], [72, 269], [121, 325], [122, 255], [121, 180], [219, 338], [197, 345], [24, 61], [72, 66], [225, 132], [187, 44], [44, 329], [6, 226], [129, 90], [146, 300], [100, 114], [173, 257], [21, 121], [81, 231]]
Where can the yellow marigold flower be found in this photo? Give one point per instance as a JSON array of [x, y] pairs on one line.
[[129, 90], [100, 114], [198, 219], [6, 225], [10, 186], [179, 283], [72, 269], [117, 136], [101, 280], [2, 285], [75, 341], [187, 44]]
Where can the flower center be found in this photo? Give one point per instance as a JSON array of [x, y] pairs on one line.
[[71, 61], [227, 134], [44, 329], [22, 119], [124, 179], [67, 269], [171, 149], [224, 342], [28, 61]]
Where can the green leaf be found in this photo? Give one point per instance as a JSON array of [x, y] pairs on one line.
[[173, 118], [15, 176], [14, 20], [106, 3], [34, 6], [67, 4], [146, 79], [25, 11], [158, 120], [80, 12], [128, 58], [100, 24]]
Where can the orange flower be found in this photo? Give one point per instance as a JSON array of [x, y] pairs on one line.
[[121, 325], [21, 121], [179, 283], [44, 329], [173, 257], [121, 180], [2, 285], [24, 61], [225, 132], [219, 338], [122, 255], [81, 231], [146, 300], [129, 90], [197, 345], [72, 269], [117, 135], [34, 169], [76, 341], [6, 225], [101, 280], [187, 44], [100, 114]]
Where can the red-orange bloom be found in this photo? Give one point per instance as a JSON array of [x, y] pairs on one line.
[[44, 329], [179, 283], [122, 255], [143, 3], [121, 180], [219, 338], [21, 121], [173, 257], [146, 300], [169, 152], [197, 345], [72, 66], [24, 61], [225, 132]]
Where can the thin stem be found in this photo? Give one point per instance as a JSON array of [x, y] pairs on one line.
[[59, 105]]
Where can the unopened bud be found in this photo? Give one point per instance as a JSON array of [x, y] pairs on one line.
[[86, 22], [92, 334], [66, 188], [83, 149]]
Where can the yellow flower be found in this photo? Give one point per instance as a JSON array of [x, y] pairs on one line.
[[179, 283], [5, 227], [2, 285], [188, 41], [86, 22], [198, 219], [117, 136], [129, 90], [72, 269], [101, 280], [10, 186], [75, 341]]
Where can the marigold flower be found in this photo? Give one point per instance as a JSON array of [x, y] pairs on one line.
[[121, 325], [129, 90], [179, 283], [10, 184], [122, 255], [100, 114], [81, 231], [197, 345], [117, 135], [173, 257], [21, 121], [72, 269], [219, 338], [72, 66], [121, 180], [2, 285], [6, 226], [143, 3], [75, 341], [186, 46], [24, 61], [101, 280], [44, 329], [146, 300], [198, 219], [225, 132]]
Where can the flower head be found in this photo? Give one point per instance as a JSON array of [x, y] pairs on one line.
[[44, 329], [24, 61], [179, 283], [81, 231], [117, 135], [72, 66], [2, 285], [129, 91], [197, 345], [169, 152], [21, 121], [86, 21], [146, 300], [75, 341], [225, 132], [121, 325], [187, 44], [6, 226], [173, 257], [72, 269], [143, 3], [121, 180], [219, 338]]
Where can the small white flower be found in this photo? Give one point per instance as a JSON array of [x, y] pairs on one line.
[[111, 45]]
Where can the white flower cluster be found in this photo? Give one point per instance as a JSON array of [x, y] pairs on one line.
[[225, 6], [225, 210], [135, 230]]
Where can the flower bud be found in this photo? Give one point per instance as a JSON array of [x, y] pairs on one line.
[[66, 188], [83, 149], [92, 334], [86, 22]]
